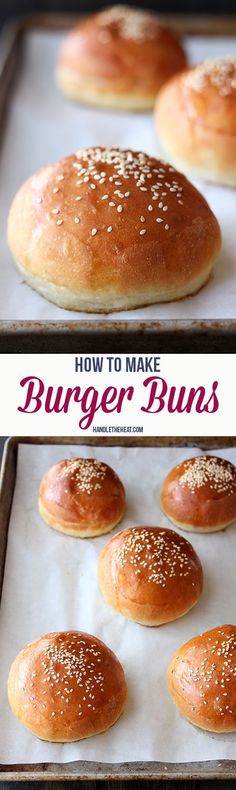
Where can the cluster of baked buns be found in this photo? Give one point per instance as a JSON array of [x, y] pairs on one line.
[[69, 685], [102, 203]]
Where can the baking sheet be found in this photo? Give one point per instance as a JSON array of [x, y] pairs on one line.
[[50, 583], [43, 127]]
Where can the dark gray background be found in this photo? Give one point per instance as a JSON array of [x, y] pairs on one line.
[[16, 7]]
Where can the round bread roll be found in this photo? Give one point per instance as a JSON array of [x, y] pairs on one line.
[[82, 497], [150, 575], [202, 679], [107, 230], [196, 119], [199, 495], [118, 58], [66, 686]]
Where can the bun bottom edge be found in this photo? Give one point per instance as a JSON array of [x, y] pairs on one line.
[[68, 300], [71, 529], [201, 173], [80, 738], [191, 528], [105, 98], [146, 623]]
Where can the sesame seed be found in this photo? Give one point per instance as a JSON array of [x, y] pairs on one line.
[[158, 219], [94, 231], [219, 73], [203, 470], [95, 166], [109, 229], [158, 552], [134, 24], [142, 232], [77, 220], [218, 662]]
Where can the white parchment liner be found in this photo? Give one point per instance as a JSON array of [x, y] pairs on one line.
[[50, 583], [43, 127]]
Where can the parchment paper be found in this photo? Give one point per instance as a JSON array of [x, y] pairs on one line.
[[50, 583], [43, 127]]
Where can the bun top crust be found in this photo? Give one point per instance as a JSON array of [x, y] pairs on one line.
[[121, 45], [201, 493], [106, 204], [82, 490], [153, 554], [202, 679], [206, 476], [66, 685], [209, 91], [150, 568]]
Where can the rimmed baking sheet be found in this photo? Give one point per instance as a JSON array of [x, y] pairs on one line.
[[151, 730], [53, 128]]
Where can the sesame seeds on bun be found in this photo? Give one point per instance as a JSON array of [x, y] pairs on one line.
[[196, 120], [118, 58], [107, 229], [199, 494], [82, 497], [202, 679], [66, 686], [150, 575], [217, 73]]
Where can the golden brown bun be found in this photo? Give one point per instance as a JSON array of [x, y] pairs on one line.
[[118, 58], [82, 497], [196, 119], [66, 686], [108, 230], [199, 495], [150, 575], [202, 679]]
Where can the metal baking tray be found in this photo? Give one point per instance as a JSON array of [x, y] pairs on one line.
[[33, 335], [84, 770]]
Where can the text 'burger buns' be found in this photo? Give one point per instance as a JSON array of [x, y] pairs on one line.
[[118, 58], [196, 120], [150, 575], [82, 497], [202, 679], [66, 686], [199, 494], [107, 230]]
